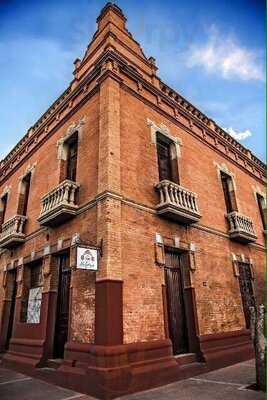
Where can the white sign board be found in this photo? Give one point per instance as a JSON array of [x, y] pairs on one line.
[[87, 258]]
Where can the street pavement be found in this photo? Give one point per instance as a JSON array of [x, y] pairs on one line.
[[227, 383]]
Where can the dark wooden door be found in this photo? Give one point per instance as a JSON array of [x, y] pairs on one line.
[[164, 161], [175, 304], [62, 318], [12, 277], [246, 289], [72, 160]]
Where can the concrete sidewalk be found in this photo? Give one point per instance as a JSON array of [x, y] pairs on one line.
[[225, 384]]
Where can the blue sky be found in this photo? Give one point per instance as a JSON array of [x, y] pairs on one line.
[[211, 52]]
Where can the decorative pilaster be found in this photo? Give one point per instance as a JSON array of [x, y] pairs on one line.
[[109, 329]]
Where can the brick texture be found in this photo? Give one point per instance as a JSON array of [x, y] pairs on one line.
[[116, 91]]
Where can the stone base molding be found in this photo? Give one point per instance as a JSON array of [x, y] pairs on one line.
[[108, 372], [226, 348]]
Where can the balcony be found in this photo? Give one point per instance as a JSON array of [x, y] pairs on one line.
[[12, 233], [59, 205], [177, 203], [241, 228]]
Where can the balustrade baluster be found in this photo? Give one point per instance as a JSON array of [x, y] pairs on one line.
[[166, 192], [66, 194], [72, 195], [180, 197], [161, 194], [171, 193], [175, 192]]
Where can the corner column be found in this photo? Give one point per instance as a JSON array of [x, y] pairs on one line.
[[109, 313]]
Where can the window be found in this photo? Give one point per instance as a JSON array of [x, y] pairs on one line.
[[167, 160], [72, 153], [32, 299], [262, 207], [3, 207], [229, 193], [24, 195]]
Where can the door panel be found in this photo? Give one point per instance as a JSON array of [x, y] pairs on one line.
[[246, 289], [62, 320], [164, 161], [175, 304], [13, 276]]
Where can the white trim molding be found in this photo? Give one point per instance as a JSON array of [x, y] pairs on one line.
[[223, 168], [74, 127], [256, 190], [164, 130], [29, 170], [6, 191]]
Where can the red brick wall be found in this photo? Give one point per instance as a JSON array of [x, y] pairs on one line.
[[116, 158], [219, 301]]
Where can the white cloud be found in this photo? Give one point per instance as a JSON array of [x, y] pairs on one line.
[[222, 54], [242, 135]]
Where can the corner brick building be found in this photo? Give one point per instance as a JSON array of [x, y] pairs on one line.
[[175, 206]]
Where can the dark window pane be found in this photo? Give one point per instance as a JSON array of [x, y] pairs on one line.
[[26, 186], [3, 210], [164, 160], [261, 204], [229, 196], [36, 275], [72, 160]]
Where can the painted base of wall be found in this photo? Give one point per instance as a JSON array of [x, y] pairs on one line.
[[107, 372]]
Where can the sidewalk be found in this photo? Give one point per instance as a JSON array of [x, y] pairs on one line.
[[225, 384]]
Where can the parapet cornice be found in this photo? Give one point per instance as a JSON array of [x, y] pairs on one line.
[[122, 68], [191, 109]]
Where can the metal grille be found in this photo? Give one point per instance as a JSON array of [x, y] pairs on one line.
[[246, 289]]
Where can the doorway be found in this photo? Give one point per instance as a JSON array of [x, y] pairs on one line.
[[176, 303], [12, 280], [246, 289], [62, 316]]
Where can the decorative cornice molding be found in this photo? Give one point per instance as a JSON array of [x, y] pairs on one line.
[[131, 203]]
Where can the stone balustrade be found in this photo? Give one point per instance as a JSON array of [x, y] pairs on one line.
[[241, 227], [12, 232], [59, 204], [177, 202]]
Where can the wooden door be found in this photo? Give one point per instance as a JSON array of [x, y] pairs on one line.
[[246, 289], [175, 304], [62, 318], [12, 276], [164, 161], [72, 160]]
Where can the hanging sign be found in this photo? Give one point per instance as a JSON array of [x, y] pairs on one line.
[[87, 258]]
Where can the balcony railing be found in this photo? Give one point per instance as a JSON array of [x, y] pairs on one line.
[[12, 232], [177, 203], [241, 228], [60, 204]]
